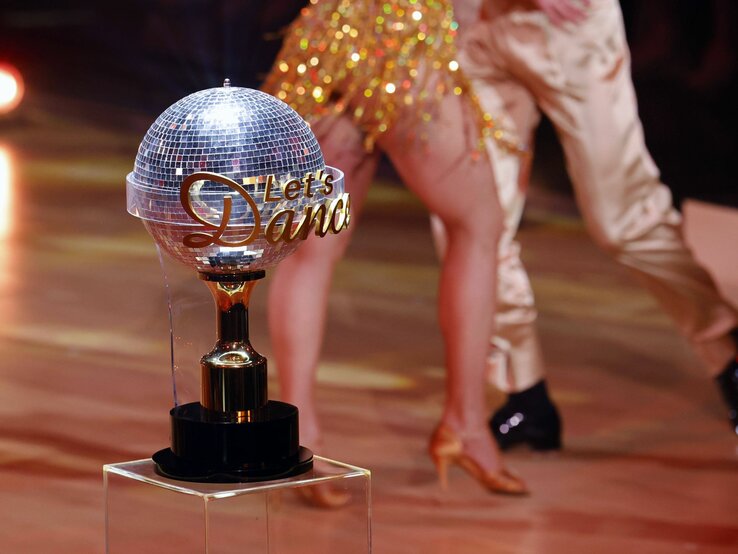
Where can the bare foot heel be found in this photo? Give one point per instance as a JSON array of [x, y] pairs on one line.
[[324, 496]]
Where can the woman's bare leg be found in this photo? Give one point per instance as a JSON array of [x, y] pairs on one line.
[[461, 191], [298, 293]]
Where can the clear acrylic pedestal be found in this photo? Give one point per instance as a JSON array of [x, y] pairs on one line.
[[147, 513]]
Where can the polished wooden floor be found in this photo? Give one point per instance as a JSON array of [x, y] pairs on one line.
[[649, 465]]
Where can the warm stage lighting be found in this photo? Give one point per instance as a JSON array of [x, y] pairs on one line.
[[11, 88], [6, 191]]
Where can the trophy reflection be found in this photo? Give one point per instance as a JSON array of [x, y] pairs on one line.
[[229, 181]]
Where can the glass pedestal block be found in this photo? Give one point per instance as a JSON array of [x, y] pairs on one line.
[[327, 509]]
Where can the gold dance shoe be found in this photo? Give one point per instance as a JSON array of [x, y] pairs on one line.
[[447, 448]]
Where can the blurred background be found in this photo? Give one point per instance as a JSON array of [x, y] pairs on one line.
[[146, 54], [84, 334]]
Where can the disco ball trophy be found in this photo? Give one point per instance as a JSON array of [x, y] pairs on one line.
[[229, 181]]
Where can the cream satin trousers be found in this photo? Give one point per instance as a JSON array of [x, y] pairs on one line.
[[579, 76]]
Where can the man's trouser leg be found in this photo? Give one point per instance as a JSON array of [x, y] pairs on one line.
[[580, 77]]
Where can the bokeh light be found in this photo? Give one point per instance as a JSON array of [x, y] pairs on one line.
[[11, 88]]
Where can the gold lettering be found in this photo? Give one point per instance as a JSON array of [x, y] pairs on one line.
[[309, 178], [328, 188], [284, 230], [325, 217], [311, 216], [291, 189], [268, 191], [201, 239], [339, 213], [347, 210]]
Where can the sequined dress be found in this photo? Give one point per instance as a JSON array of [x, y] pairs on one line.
[[375, 60]]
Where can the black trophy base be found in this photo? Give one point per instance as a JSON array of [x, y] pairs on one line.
[[168, 464], [213, 447]]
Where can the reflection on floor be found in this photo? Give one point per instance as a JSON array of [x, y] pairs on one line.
[[649, 464]]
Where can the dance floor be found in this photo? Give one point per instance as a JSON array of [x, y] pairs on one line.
[[649, 466]]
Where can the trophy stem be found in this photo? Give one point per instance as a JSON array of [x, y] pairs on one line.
[[234, 375], [233, 323]]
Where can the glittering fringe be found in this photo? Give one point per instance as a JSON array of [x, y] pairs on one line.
[[376, 59]]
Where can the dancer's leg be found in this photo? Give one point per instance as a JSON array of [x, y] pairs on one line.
[[515, 360], [461, 192], [580, 77], [298, 294]]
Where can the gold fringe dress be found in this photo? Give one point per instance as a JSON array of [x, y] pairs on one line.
[[375, 59]]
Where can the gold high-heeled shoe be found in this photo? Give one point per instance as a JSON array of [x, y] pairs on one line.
[[447, 448]]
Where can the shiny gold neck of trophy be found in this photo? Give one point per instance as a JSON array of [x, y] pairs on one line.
[[229, 181], [233, 374]]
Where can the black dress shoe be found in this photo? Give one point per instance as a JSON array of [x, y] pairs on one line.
[[728, 384], [528, 417]]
